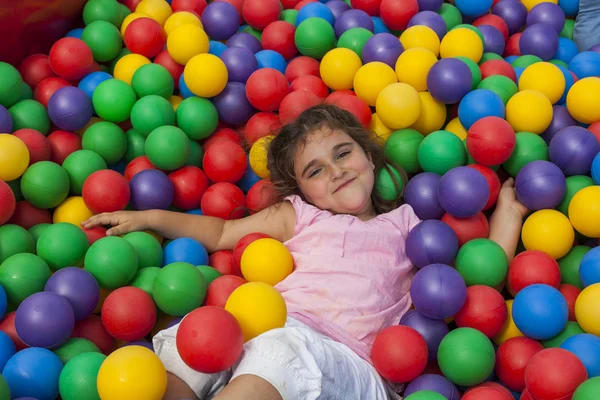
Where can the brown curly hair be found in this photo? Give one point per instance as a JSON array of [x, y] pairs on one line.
[[283, 148]]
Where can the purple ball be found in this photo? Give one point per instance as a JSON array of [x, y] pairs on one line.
[[513, 12], [430, 19], [431, 242], [560, 119], [492, 39], [337, 7], [432, 330], [430, 5], [143, 343], [573, 149], [246, 40], [438, 291], [44, 319], [595, 48], [449, 80], [233, 105], [382, 47], [6, 123], [539, 40], [79, 287], [540, 184], [151, 189], [421, 195], [240, 62], [434, 383], [547, 13], [221, 20], [70, 108], [353, 19], [463, 192]]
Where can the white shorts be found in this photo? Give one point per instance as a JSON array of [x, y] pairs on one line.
[[299, 362]]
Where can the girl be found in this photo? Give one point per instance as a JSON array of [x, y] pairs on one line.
[[586, 32], [351, 277]]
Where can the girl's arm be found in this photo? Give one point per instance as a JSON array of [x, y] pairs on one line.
[[277, 221]]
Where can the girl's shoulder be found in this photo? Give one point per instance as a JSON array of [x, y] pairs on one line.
[[306, 214]]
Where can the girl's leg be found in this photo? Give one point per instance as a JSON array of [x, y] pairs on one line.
[[178, 389], [587, 26], [249, 387]]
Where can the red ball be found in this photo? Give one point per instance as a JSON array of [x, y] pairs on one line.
[[260, 196], [95, 233], [196, 6], [396, 13], [498, 67], [261, 124], [511, 359], [209, 340], [484, 310], [93, 330], [525, 395], [493, 182], [466, 229], [222, 134], [260, 13], [570, 293], [223, 200], [35, 68], [295, 104], [495, 21], [289, 4], [531, 267], [241, 245], [128, 313], [222, 261], [239, 5], [190, 183], [224, 161], [145, 36], [488, 393], [136, 165], [279, 36], [301, 66], [8, 326], [491, 141], [131, 4], [26, 215], [220, 289], [106, 191], [354, 105], [371, 7], [312, 84], [63, 144], [37, 144], [513, 47], [266, 88], [46, 88], [399, 354], [71, 59], [303, 3], [595, 129], [8, 202], [554, 373], [164, 58]]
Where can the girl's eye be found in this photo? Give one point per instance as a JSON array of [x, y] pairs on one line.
[[343, 154], [314, 172]]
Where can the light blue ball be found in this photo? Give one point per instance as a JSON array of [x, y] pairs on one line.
[[519, 72], [183, 89], [587, 348], [315, 10], [589, 267], [75, 33], [7, 349], [3, 303], [570, 7], [569, 81], [379, 26], [478, 104], [567, 49], [90, 82], [195, 211], [185, 250], [33, 372], [272, 59], [216, 48], [473, 8], [596, 169], [540, 311], [585, 64], [510, 59], [249, 179]]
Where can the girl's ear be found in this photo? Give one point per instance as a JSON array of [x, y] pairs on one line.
[[370, 157]]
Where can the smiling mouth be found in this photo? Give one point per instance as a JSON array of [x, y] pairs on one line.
[[343, 185]]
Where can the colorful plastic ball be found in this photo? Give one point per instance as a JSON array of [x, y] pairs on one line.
[[463, 192], [128, 313], [189, 183], [529, 147], [353, 18], [167, 147], [70, 108], [548, 231], [91, 81], [112, 261], [196, 6], [482, 262], [433, 383], [317, 10], [260, 13], [431, 242], [240, 63], [266, 88], [467, 229], [355, 39], [449, 80], [30, 114], [493, 39], [438, 291], [185, 250], [224, 162], [413, 66], [532, 267], [14, 157], [583, 102], [421, 36], [197, 117], [62, 245], [35, 68], [186, 42], [233, 105], [587, 348], [179, 288], [243, 39], [484, 310], [382, 47], [151, 189], [223, 200], [79, 287], [279, 36], [432, 330], [79, 375], [6, 123], [62, 144], [585, 64], [583, 211], [441, 151], [543, 379], [479, 104], [398, 105], [511, 361], [256, 267], [71, 58], [513, 14], [221, 20], [586, 309], [540, 40], [113, 100], [153, 79], [181, 18], [540, 184], [573, 149], [462, 42], [431, 19], [45, 184], [151, 112], [545, 78], [338, 68], [314, 37], [127, 65], [106, 191], [529, 111], [106, 139], [7, 202], [540, 311], [103, 39], [80, 165], [491, 141], [221, 288], [33, 372], [10, 86]]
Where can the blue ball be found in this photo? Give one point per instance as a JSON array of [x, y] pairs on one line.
[[569, 81], [195, 211], [119, 166], [519, 72], [570, 7], [317, 10], [249, 178], [7, 349], [216, 48], [478, 104], [3, 303], [473, 8], [185, 250], [510, 59], [587, 348], [379, 26], [91, 81], [585, 64], [75, 33], [596, 169], [242, 28], [567, 49], [272, 59], [33, 372], [540, 311], [183, 89], [589, 267]]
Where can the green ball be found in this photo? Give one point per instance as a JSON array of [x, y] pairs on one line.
[[35, 232], [111, 67], [526, 60], [197, 117], [62, 245], [567, 30], [80, 165], [472, 28], [125, 12], [4, 389], [112, 260], [441, 151], [254, 32], [167, 148], [588, 390], [103, 10], [402, 147], [475, 70], [490, 56], [45, 184], [136, 145], [571, 329], [389, 188], [574, 184], [151, 112], [152, 79], [314, 37], [196, 155], [209, 273], [26, 92], [15, 186], [148, 249], [104, 39], [425, 395], [144, 279], [78, 378], [106, 139], [482, 262], [502, 85], [22, 275], [30, 114], [113, 100], [355, 39], [466, 356], [10, 85], [559, 63], [452, 17], [569, 266], [529, 147], [289, 16], [179, 288], [14, 240], [74, 347]]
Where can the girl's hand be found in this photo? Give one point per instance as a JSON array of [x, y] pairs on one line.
[[121, 221], [507, 200]]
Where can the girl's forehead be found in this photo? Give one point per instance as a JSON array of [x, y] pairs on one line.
[[327, 137]]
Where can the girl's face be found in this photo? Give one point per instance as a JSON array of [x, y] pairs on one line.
[[335, 174]]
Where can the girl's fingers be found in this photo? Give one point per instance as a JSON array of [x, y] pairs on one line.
[[101, 219], [119, 230]]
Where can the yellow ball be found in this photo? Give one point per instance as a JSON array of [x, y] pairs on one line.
[[456, 127], [258, 156], [433, 114], [14, 157], [129, 19], [462, 42], [181, 18], [549, 231], [371, 79], [175, 101], [158, 10], [127, 65], [509, 330], [544, 77], [266, 260], [132, 373], [187, 41], [421, 36], [205, 75], [583, 100], [338, 68], [258, 307], [398, 105], [587, 309], [380, 131], [584, 211], [529, 4], [73, 210], [413, 65], [529, 111]]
